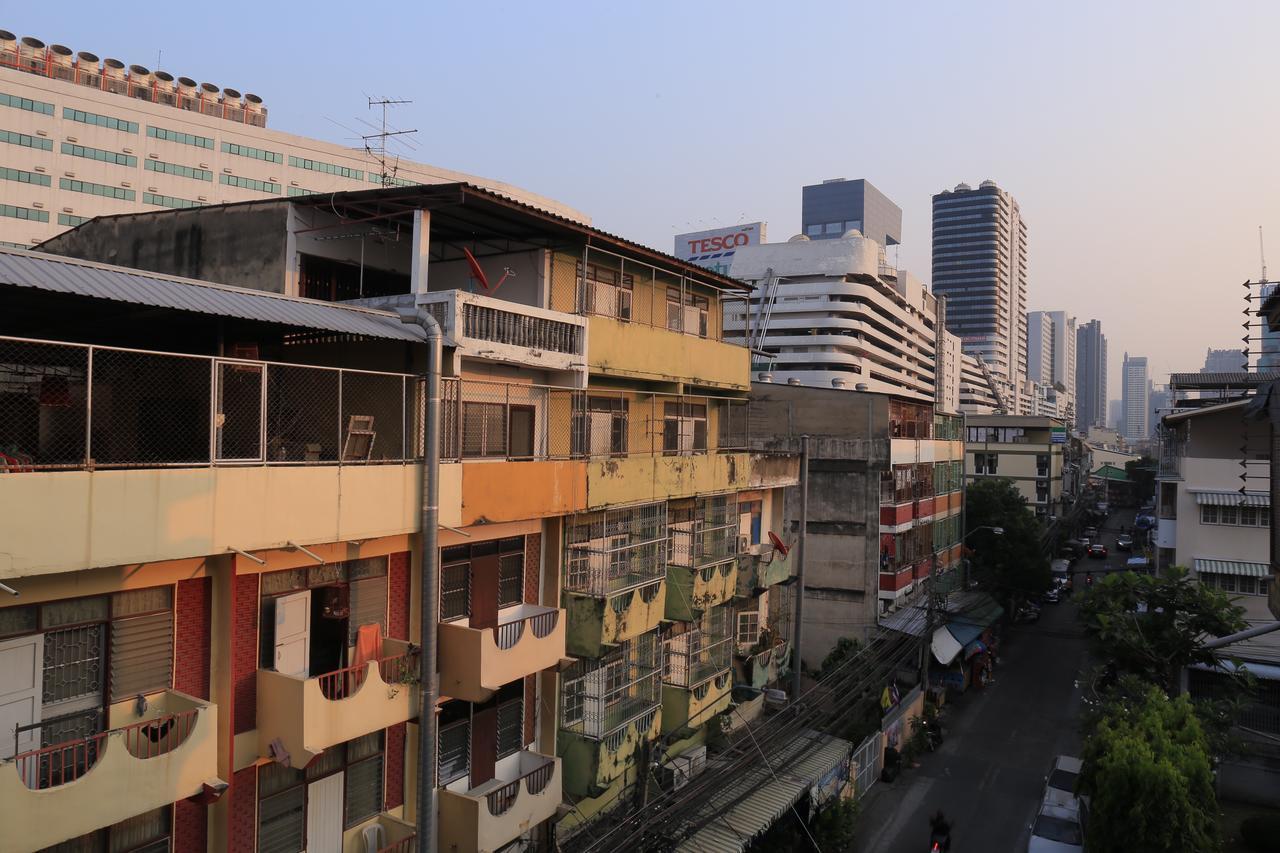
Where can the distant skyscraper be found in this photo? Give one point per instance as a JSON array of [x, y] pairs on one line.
[[1051, 355], [1115, 415], [1161, 402], [1091, 376], [1136, 401], [1223, 361], [980, 265], [834, 207]]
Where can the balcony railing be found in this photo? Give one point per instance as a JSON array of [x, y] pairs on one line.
[[474, 662], [693, 658], [69, 406], [501, 799], [526, 792], [61, 763], [696, 546], [399, 668], [607, 698]]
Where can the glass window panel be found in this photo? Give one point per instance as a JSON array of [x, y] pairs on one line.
[[17, 620]]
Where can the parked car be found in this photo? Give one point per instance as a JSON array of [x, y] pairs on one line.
[[1026, 614], [1090, 533], [1057, 829], [1124, 542], [1097, 551], [1060, 784]]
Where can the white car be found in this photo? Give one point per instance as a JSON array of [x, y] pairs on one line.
[[1058, 829], [1060, 785]]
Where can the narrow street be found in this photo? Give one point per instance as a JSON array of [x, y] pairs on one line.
[[989, 774]]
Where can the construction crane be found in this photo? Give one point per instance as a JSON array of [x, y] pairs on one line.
[[1001, 406]]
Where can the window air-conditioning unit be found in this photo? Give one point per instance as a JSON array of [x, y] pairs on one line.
[[72, 139]]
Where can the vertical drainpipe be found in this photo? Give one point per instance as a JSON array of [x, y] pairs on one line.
[[429, 583], [796, 660]]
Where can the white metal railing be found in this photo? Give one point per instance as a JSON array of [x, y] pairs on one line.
[[600, 697]]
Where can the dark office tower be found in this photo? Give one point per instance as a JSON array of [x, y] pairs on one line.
[[834, 207], [980, 265], [1091, 376]]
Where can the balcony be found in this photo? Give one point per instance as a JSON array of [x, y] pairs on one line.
[[597, 622], [309, 715], [760, 667], [525, 792], [592, 764], [690, 591], [499, 330], [656, 477], [474, 662], [685, 709], [697, 677], [396, 836], [96, 472], [702, 568], [69, 789], [657, 354], [763, 570]]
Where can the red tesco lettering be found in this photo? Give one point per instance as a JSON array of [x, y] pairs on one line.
[[718, 244]]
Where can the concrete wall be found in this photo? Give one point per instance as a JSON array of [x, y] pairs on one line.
[[848, 449], [241, 245]]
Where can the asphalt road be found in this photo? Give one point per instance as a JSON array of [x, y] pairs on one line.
[[988, 776]]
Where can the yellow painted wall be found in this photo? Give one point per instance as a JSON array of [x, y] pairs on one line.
[[513, 491], [654, 478], [70, 520], [655, 354]]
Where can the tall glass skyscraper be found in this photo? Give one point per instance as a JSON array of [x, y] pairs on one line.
[[980, 265], [1091, 376]]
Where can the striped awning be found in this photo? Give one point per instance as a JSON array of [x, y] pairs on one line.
[[1233, 567], [1215, 497]]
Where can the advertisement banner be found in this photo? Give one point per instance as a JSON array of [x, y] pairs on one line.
[[714, 249]]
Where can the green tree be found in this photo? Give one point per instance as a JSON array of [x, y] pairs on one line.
[[1149, 777], [1142, 472], [1010, 565], [1153, 626]]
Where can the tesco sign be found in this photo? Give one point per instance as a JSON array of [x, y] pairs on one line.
[[714, 248]]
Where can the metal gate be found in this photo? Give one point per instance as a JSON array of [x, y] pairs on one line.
[[869, 759]]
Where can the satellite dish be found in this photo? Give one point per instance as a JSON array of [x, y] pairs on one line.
[[783, 549]]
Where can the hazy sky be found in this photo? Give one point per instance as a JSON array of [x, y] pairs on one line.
[[1141, 139]]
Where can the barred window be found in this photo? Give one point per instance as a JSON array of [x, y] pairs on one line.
[[511, 719], [484, 429], [511, 572], [455, 583], [454, 742]]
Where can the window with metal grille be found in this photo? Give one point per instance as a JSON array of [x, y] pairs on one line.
[[455, 584], [511, 572], [601, 428], [484, 429], [511, 721], [684, 428], [748, 628], [73, 663], [363, 779], [606, 291], [454, 742]]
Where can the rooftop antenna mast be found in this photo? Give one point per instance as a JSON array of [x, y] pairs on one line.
[[1262, 253], [376, 143]]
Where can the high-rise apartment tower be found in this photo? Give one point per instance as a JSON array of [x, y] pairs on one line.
[[1091, 376], [1136, 401], [980, 265]]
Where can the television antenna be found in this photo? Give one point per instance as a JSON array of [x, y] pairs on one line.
[[375, 144]]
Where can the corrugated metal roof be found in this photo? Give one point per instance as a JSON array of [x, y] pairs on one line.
[[1226, 497], [742, 810], [120, 284], [1235, 379], [1233, 567]]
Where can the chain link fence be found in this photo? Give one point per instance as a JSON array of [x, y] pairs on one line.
[[76, 406]]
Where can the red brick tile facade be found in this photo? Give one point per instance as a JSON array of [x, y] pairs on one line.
[[244, 653], [191, 640], [395, 766], [190, 827], [242, 835], [398, 595], [530, 707], [532, 567]]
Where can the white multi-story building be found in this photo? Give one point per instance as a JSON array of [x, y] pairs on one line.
[[1136, 401], [1051, 357], [82, 137], [833, 313]]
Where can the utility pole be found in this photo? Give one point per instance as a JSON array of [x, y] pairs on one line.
[[927, 651], [800, 557]]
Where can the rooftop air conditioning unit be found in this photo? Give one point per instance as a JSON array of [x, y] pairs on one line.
[[72, 139]]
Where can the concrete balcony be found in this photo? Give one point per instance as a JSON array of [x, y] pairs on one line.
[[309, 715], [656, 354], [688, 708], [763, 570], [692, 590], [599, 621], [656, 477], [395, 836], [494, 491], [526, 791], [70, 789], [763, 667], [498, 330], [591, 764], [474, 662]]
